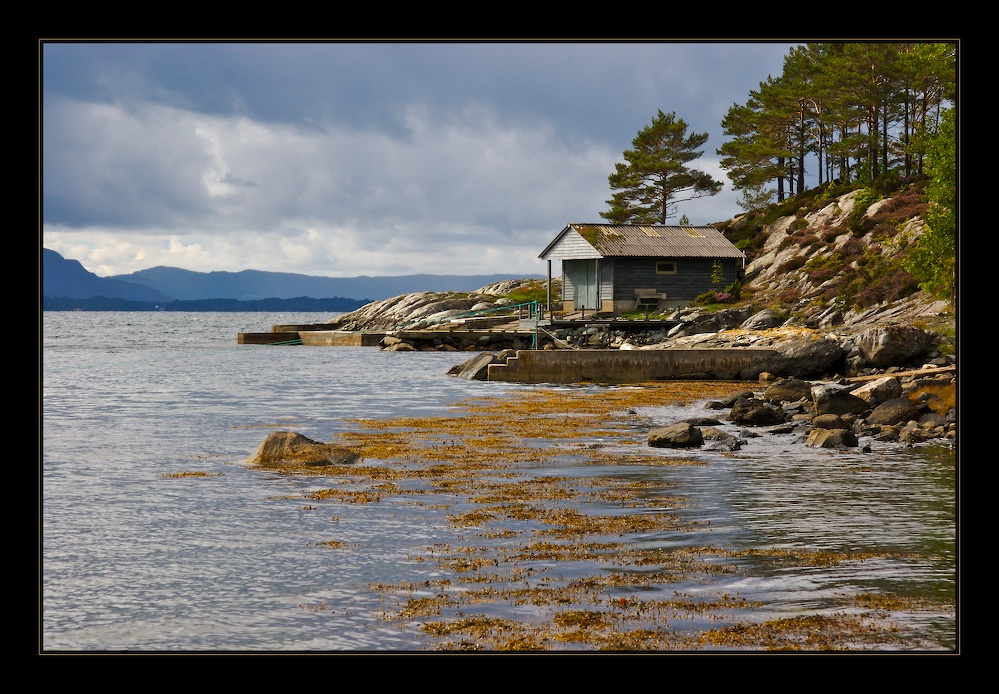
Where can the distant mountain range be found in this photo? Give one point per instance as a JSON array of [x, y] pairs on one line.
[[66, 284]]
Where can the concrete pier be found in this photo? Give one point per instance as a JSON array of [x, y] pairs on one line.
[[628, 366], [342, 338], [614, 366], [283, 337]]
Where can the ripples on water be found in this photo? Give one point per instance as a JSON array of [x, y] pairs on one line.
[[133, 560]]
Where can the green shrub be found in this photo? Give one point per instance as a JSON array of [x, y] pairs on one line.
[[792, 264], [536, 291], [853, 249], [705, 298], [819, 268], [788, 296], [891, 287], [888, 183], [855, 220], [806, 239]]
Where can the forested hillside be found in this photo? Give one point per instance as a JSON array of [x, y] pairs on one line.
[[862, 112], [877, 119]]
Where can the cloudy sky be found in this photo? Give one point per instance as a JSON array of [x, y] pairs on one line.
[[343, 158]]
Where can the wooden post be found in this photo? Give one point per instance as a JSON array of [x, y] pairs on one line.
[[549, 287]]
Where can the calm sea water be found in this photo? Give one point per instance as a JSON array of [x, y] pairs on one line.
[[134, 560]]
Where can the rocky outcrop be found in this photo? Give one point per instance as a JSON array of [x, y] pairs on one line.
[[800, 352], [405, 309], [796, 266], [830, 415], [422, 310]]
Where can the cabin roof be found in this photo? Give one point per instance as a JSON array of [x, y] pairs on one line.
[[636, 240]]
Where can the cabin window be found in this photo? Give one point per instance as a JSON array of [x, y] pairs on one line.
[[665, 267]]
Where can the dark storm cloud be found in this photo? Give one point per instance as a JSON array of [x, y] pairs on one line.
[[334, 158]]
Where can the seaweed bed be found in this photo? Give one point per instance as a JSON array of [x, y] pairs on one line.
[[485, 465]]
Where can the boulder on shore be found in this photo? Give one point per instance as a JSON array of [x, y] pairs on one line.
[[886, 345], [756, 413], [831, 438], [292, 448], [831, 398], [678, 435], [476, 368], [895, 411]]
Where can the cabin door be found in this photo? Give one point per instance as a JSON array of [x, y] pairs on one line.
[[584, 280]]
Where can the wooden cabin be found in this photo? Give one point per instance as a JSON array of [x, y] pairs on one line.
[[617, 268]]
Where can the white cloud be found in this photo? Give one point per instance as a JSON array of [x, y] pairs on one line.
[[340, 159], [467, 192]]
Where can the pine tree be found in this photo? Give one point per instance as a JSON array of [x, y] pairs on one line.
[[760, 150], [648, 185]]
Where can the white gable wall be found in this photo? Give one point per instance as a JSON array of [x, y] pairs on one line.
[[572, 246]]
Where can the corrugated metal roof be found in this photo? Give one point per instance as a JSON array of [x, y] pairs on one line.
[[661, 241]]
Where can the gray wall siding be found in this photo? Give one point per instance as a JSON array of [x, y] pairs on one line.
[[568, 288], [620, 277], [692, 278], [606, 270]]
